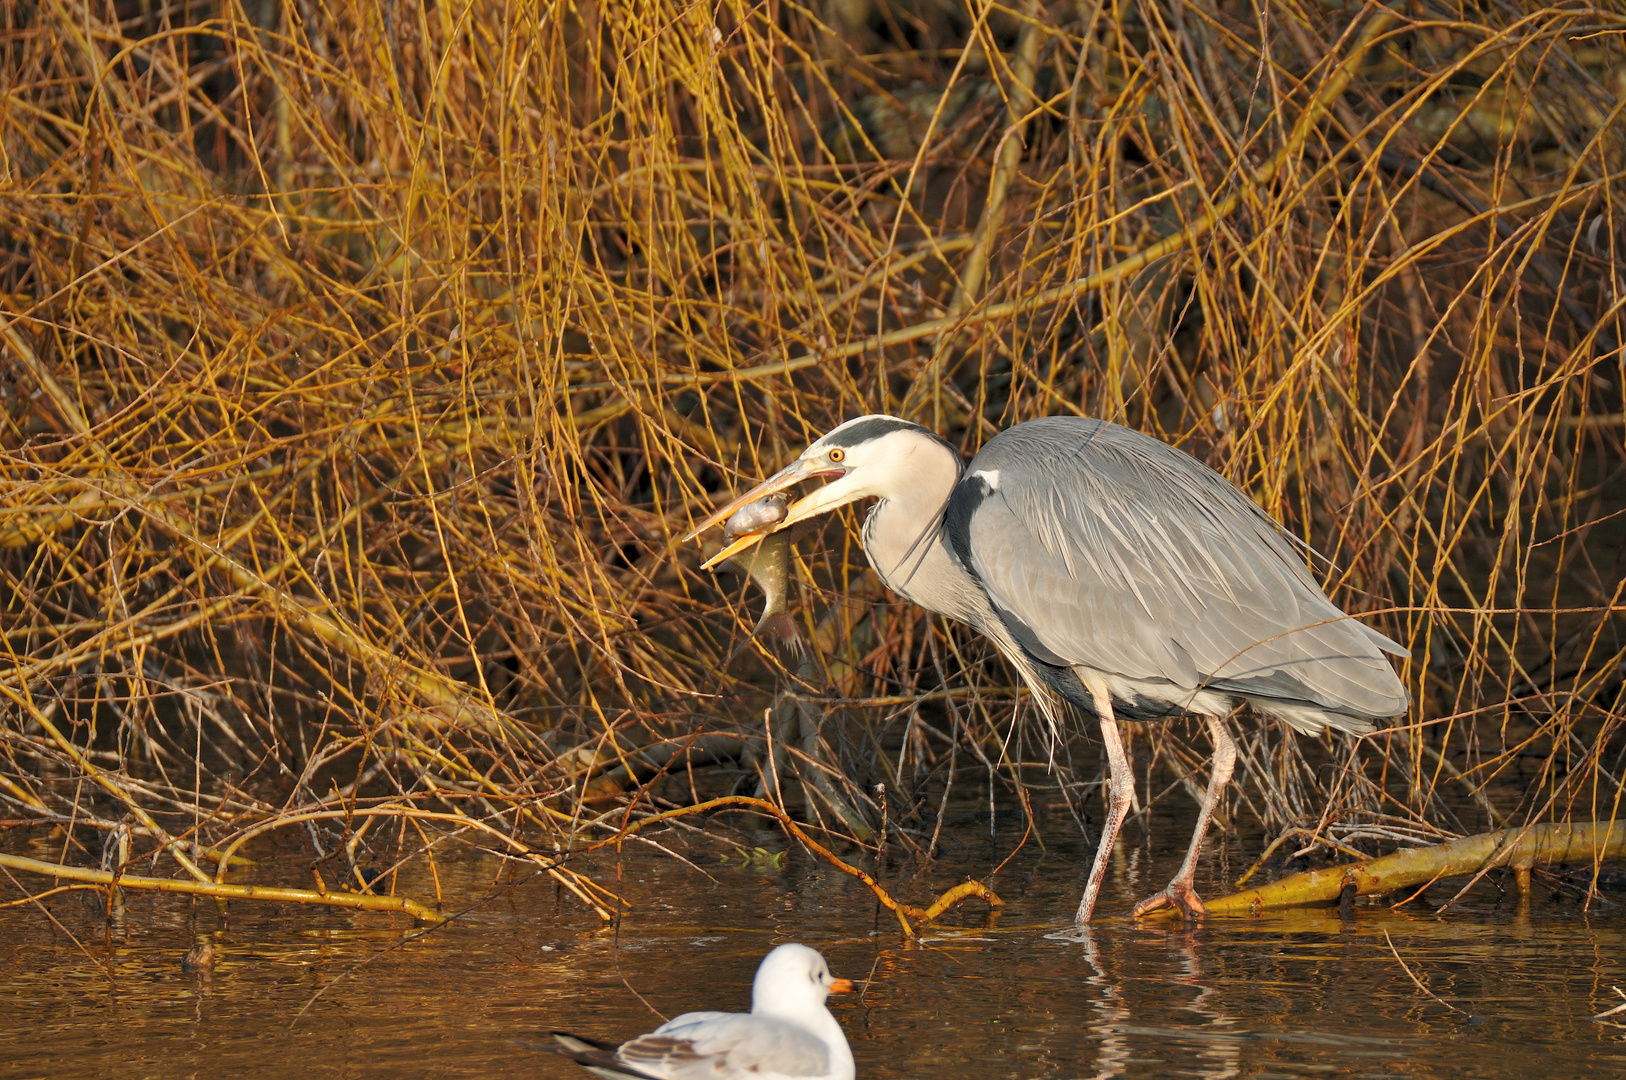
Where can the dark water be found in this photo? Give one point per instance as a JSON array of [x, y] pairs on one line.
[[1288, 996]]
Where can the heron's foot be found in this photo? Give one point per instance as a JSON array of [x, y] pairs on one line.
[[1179, 895]]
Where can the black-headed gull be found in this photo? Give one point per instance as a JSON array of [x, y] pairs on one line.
[[787, 1034]]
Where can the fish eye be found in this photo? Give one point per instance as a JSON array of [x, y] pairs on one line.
[[837, 453]]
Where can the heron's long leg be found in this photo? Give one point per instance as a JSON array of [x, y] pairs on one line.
[[1180, 892], [1122, 793]]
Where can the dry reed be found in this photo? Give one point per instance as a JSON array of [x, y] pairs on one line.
[[365, 361]]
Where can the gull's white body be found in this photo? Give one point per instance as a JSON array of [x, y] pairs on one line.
[[789, 1034]]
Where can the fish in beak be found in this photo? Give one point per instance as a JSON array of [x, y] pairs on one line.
[[767, 565], [797, 471]]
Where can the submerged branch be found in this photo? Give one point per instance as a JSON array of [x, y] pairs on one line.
[[1589, 841], [904, 912], [221, 890]]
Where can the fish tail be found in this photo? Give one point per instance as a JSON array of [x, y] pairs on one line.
[[783, 627]]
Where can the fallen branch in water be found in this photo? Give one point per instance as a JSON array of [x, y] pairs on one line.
[[904, 912], [1616, 1010], [222, 890], [1519, 848]]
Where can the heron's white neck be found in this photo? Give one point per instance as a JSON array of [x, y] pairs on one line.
[[903, 535], [923, 569]]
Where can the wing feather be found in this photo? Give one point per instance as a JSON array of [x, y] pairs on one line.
[[1106, 548], [703, 1046]]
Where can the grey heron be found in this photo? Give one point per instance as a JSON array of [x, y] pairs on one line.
[[1113, 572]]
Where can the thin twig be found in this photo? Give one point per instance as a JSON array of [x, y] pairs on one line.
[[1415, 980]]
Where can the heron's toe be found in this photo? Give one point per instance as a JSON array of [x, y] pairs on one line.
[[1152, 903], [1178, 895]]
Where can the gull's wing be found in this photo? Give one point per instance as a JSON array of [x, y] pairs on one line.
[[596, 1056], [721, 1046]]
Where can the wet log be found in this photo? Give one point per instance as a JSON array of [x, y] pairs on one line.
[[1580, 842]]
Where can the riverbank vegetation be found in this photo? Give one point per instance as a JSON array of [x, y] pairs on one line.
[[365, 362]]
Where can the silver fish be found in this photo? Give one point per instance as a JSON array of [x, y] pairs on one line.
[[756, 516], [767, 564]]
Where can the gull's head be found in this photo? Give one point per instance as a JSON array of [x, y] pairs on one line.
[[871, 456], [793, 978]]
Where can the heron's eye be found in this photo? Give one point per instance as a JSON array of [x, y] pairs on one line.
[[837, 453]]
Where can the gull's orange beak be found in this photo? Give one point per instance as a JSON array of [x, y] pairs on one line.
[[842, 986]]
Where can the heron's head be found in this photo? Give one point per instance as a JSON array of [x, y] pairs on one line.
[[870, 456]]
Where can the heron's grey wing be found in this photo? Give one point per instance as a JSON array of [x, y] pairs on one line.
[[709, 1046], [1107, 548]]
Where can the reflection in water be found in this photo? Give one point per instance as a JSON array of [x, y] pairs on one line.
[[1218, 1057], [1112, 1055], [1292, 996], [1223, 1050]]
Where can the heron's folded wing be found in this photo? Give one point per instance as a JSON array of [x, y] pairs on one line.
[[1103, 547], [708, 1045]]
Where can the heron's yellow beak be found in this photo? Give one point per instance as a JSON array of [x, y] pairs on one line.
[[740, 544], [826, 498], [789, 476]]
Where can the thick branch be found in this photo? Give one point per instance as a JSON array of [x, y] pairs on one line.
[[1584, 842]]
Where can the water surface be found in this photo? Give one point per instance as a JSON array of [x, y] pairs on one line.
[[1296, 995]]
